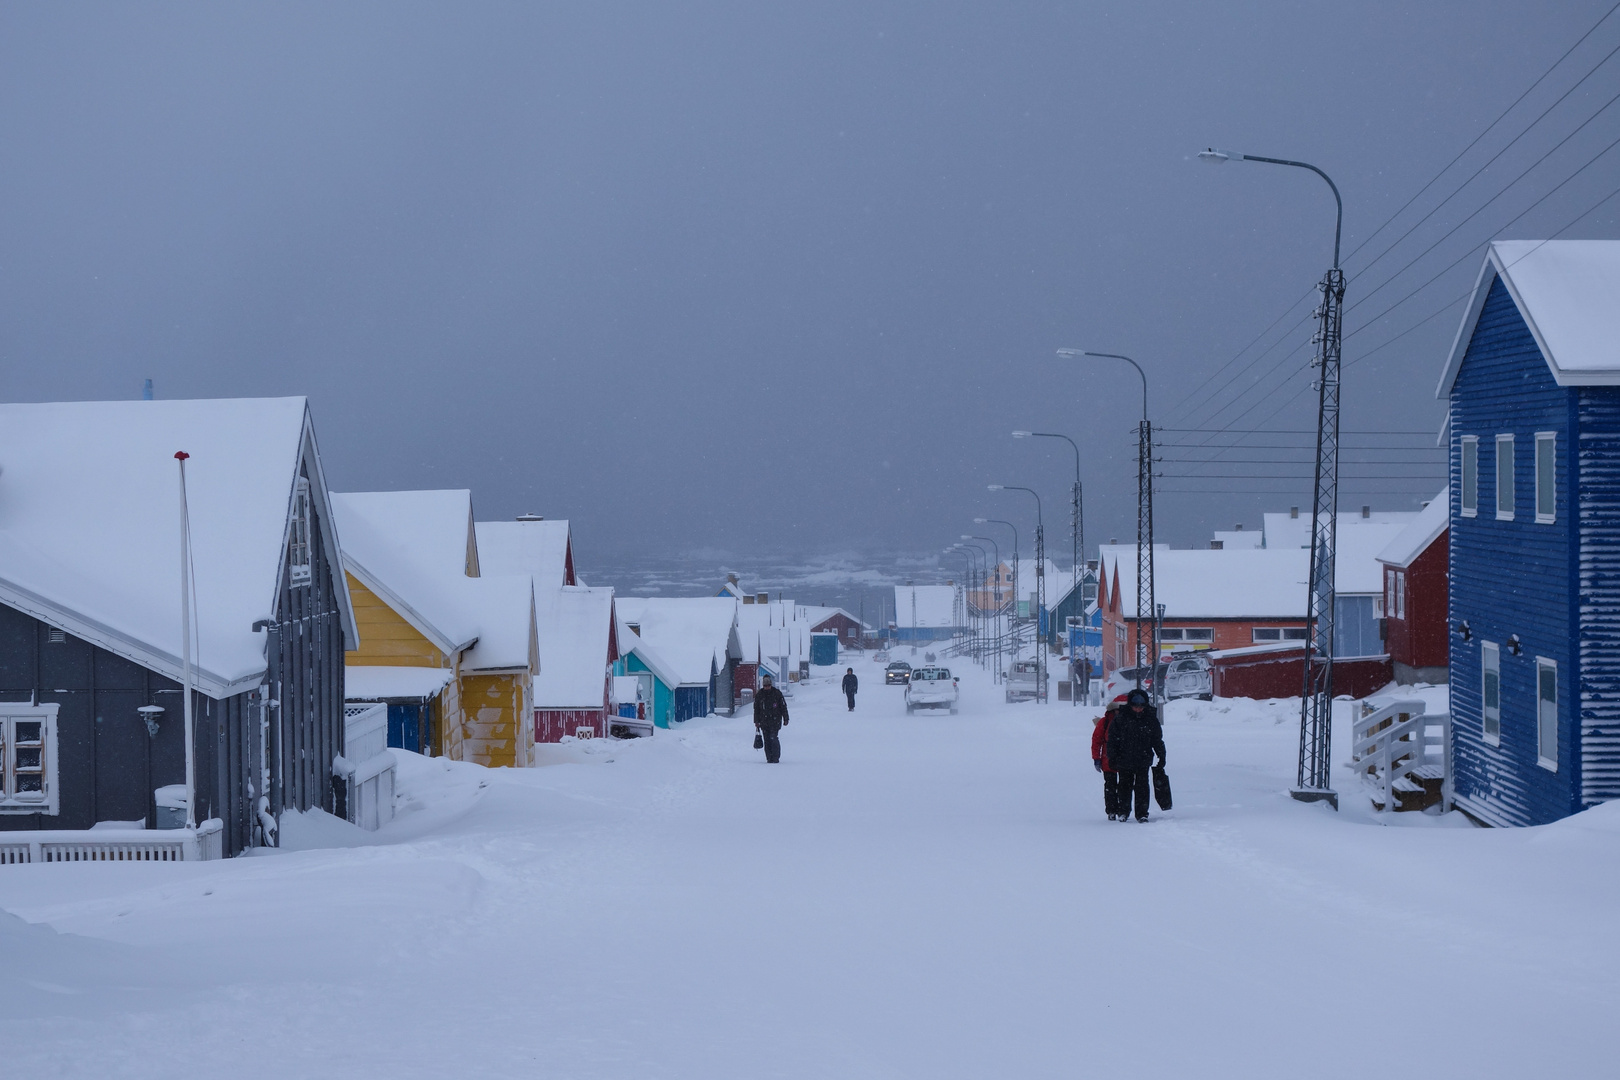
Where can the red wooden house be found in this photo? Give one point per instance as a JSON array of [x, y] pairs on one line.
[[578, 645], [1416, 592]]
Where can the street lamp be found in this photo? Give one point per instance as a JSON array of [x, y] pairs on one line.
[[1000, 634], [1077, 518], [1316, 697], [967, 559], [1040, 587], [996, 548], [1144, 523], [979, 572]]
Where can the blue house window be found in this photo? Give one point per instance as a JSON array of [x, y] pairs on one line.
[[1547, 713], [1470, 475], [1546, 477], [1504, 478], [1490, 665]]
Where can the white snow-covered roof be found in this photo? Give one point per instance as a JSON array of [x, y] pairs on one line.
[[574, 625], [692, 635], [1568, 292], [1356, 568], [1258, 583], [631, 642], [413, 549], [815, 614], [90, 524], [535, 547], [1239, 539], [376, 682], [1283, 531], [935, 606], [1424, 530]]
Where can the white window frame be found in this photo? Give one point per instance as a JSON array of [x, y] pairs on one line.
[[298, 555], [1546, 727], [48, 801], [1272, 633], [1490, 663], [1547, 483], [1389, 592], [1468, 499], [1206, 634], [1506, 475], [1400, 595]]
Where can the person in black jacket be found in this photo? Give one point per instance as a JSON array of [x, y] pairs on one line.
[[851, 684], [1134, 736], [770, 717]]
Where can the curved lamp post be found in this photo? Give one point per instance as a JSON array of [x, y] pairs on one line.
[[1040, 587]]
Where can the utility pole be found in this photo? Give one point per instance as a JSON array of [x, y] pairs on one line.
[[1316, 698], [1040, 589]]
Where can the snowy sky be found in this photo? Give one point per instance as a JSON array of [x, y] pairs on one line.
[[635, 263]]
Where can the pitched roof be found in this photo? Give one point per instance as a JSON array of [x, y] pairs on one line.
[[1255, 583], [1286, 531], [1424, 530], [689, 634], [90, 524], [536, 547], [1568, 292], [935, 606], [574, 625]]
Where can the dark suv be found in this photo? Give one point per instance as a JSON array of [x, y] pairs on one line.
[[897, 672]]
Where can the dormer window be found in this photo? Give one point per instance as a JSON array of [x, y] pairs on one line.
[[298, 547]]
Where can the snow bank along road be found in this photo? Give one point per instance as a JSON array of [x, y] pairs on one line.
[[928, 896]]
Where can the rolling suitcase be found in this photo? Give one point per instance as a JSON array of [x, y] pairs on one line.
[[1161, 787]]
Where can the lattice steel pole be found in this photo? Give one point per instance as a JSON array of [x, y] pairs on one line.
[[1316, 698]]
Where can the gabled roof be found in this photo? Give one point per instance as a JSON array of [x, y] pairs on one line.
[[90, 524], [935, 606], [502, 610], [575, 626], [1424, 530], [1287, 531], [1254, 583], [691, 635], [631, 642], [1568, 292], [531, 546]]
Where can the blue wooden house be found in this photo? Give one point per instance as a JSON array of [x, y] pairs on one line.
[[1533, 382]]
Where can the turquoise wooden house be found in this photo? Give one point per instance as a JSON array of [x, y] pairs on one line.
[[1533, 383]]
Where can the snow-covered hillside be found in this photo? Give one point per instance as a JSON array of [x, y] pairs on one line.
[[937, 896]]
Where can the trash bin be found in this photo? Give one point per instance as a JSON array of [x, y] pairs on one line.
[[171, 806]]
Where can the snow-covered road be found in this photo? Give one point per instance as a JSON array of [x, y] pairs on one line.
[[931, 896]]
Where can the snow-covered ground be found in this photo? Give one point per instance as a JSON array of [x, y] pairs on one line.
[[931, 896]]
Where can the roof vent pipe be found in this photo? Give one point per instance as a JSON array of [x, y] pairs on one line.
[[1293, 511], [1366, 511], [530, 517]]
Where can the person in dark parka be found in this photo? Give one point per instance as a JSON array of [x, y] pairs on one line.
[[1099, 758], [1134, 736], [851, 684], [770, 716]]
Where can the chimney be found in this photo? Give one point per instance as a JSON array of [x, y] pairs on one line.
[[748, 599], [1238, 527], [1293, 511], [732, 578], [1113, 540], [1366, 511], [1217, 545], [530, 517], [762, 598]]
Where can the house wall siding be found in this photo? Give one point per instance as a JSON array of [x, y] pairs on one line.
[[1598, 552], [1510, 577], [497, 729], [385, 637]]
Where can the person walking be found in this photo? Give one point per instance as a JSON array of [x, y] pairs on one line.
[[1099, 758], [1134, 736], [770, 717], [851, 684]]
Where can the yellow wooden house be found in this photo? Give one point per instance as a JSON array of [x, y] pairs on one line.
[[453, 653]]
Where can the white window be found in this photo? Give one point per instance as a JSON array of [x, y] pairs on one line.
[[1504, 478], [1490, 664], [1400, 594], [1470, 475], [1389, 592], [1195, 633], [1546, 477], [1547, 713], [28, 759], [1264, 634], [298, 553]]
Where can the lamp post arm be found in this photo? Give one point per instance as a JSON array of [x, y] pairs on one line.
[[1338, 225]]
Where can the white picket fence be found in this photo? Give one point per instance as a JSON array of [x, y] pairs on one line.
[[114, 845], [1397, 746]]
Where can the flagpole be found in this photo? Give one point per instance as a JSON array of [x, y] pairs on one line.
[[185, 646]]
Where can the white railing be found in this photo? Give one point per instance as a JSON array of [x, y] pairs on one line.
[[1396, 747], [114, 845]]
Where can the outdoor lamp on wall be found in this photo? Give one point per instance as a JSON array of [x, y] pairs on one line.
[[1464, 632], [151, 714], [1515, 646]]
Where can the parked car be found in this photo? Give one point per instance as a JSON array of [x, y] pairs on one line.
[[897, 673], [931, 688], [1023, 681], [1123, 680], [1189, 676], [881, 656]]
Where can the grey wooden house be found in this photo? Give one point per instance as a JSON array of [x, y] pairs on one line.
[[90, 615]]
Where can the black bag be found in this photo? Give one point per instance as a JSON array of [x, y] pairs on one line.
[[759, 739], [1161, 787]]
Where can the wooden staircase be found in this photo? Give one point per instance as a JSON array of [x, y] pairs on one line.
[[1403, 756]]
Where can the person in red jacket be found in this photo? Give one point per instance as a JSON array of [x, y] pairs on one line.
[[1099, 758]]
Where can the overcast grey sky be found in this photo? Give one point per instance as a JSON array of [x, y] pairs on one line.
[[762, 278]]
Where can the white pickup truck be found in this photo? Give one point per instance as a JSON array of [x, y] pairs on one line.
[[931, 688]]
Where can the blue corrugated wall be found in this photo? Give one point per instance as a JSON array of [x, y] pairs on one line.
[[1598, 455], [691, 701], [1511, 577]]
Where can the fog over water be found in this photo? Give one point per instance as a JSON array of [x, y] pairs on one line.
[[767, 288]]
